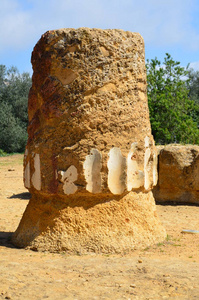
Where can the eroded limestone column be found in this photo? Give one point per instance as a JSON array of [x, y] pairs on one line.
[[90, 160]]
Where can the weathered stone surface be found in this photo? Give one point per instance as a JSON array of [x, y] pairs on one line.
[[90, 160], [178, 174]]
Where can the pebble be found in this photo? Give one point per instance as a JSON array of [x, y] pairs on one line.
[[166, 275]]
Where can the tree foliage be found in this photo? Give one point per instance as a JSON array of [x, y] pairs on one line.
[[193, 85], [14, 88], [173, 114]]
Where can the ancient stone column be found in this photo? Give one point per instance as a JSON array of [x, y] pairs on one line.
[[90, 161]]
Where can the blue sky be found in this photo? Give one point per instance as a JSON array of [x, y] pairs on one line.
[[166, 25]]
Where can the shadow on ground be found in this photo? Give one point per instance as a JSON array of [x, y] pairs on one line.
[[174, 203], [5, 239], [22, 196]]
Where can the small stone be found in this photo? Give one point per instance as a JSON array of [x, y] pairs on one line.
[[140, 261], [132, 285], [118, 285], [166, 275]]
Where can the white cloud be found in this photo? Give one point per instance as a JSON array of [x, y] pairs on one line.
[[162, 23], [13, 24], [168, 23], [194, 65]]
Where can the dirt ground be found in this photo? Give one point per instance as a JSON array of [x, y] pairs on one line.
[[168, 270]]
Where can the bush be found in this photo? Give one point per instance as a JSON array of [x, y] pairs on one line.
[[2, 153], [14, 90]]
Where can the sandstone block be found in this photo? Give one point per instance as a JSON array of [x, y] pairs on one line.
[[90, 161], [178, 174]]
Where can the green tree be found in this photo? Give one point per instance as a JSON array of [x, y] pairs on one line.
[[14, 88], [193, 85], [171, 110]]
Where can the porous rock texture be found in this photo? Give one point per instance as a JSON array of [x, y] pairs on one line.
[[178, 174], [90, 161]]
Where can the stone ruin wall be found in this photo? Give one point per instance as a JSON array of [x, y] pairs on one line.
[[178, 174]]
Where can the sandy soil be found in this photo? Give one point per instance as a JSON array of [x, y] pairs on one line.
[[168, 270]]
